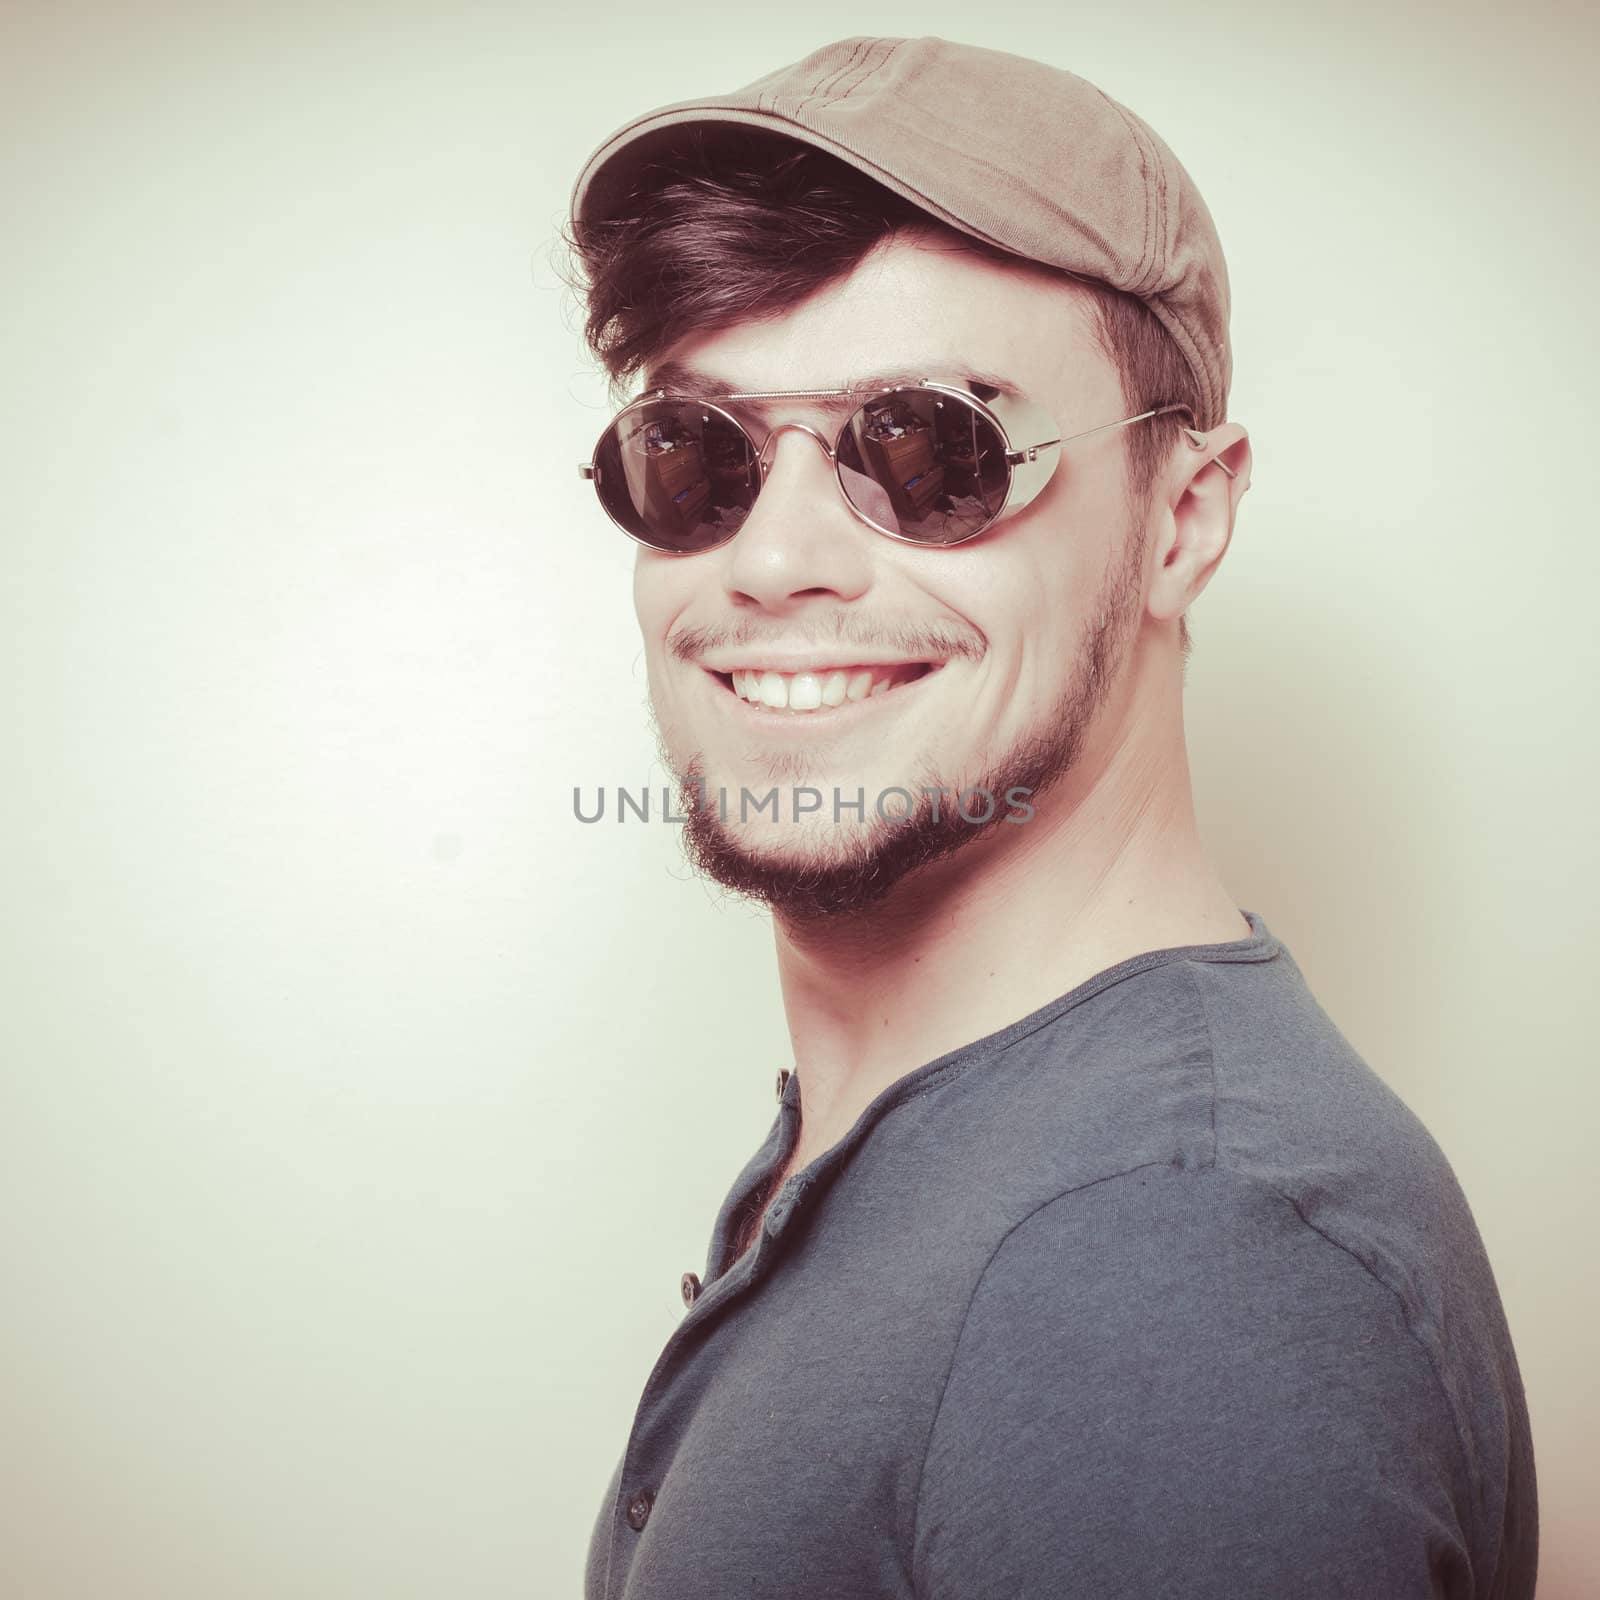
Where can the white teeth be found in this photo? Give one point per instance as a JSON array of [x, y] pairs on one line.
[[810, 691], [805, 693]]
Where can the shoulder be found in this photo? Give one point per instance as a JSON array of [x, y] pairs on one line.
[[1170, 1372], [1223, 1324], [1205, 1235]]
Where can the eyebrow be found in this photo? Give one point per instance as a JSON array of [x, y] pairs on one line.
[[679, 378]]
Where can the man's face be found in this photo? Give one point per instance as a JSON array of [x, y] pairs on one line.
[[1001, 652]]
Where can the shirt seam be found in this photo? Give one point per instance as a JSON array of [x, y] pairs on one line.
[[1463, 1456], [955, 1349], [1211, 1050]]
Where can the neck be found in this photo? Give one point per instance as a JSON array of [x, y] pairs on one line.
[[1110, 865]]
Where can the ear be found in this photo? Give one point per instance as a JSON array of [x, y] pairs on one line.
[[1194, 508]]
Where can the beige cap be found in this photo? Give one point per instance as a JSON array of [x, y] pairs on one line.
[[1007, 149]]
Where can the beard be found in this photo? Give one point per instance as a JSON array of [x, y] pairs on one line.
[[845, 880]]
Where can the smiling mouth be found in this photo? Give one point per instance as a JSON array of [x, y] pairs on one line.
[[818, 693]]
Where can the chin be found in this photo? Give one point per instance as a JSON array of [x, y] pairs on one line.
[[822, 872], [812, 843]]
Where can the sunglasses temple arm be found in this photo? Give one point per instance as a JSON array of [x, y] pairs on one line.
[[1198, 440]]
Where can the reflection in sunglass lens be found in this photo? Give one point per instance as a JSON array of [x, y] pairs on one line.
[[677, 475], [923, 465]]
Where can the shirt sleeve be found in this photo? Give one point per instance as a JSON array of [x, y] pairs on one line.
[[1169, 1383]]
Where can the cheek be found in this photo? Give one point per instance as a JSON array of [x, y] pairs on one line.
[[661, 593], [1016, 604], [657, 608], [1030, 612], [650, 588]]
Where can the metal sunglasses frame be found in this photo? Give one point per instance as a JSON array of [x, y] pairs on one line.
[[1009, 415]]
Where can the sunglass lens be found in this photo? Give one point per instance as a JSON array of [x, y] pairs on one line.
[[677, 475], [924, 466]]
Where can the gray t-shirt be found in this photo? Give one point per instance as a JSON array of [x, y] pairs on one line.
[[1159, 1291]]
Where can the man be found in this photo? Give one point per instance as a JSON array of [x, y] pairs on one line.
[[1084, 1257]]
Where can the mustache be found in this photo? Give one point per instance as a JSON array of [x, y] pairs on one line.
[[907, 641]]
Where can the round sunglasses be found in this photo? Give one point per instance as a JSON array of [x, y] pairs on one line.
[[928, 463]]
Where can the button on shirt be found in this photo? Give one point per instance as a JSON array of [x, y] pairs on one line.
[[639, 1508], [1158, 1291]]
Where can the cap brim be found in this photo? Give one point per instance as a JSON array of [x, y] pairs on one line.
[[612, 172]]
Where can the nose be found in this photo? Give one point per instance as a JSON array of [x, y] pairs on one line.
[[800, 539], [767, 449]]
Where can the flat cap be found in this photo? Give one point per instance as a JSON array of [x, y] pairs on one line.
[[1026, 156]]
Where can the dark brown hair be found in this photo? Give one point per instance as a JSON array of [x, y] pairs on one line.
[[727, 225]]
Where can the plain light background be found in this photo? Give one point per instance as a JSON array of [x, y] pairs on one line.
[[360, 1107]]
